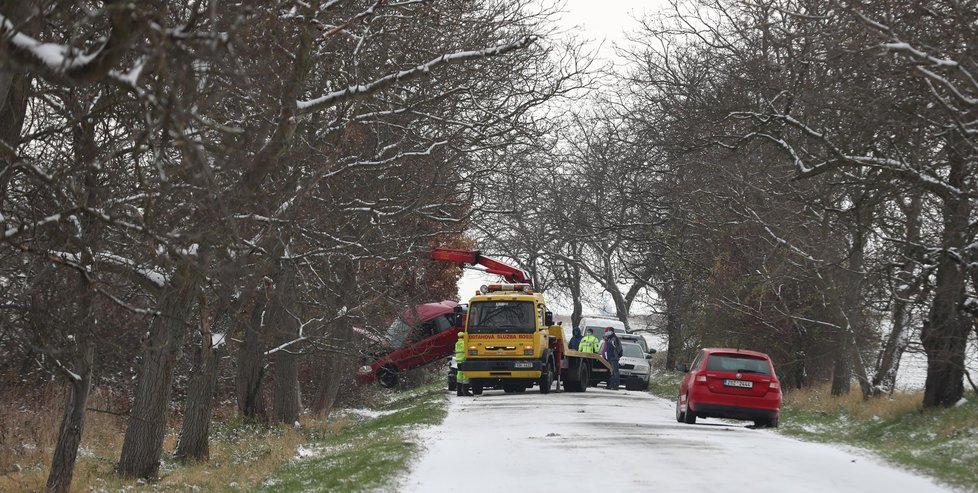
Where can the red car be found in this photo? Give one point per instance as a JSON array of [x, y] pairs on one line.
[[419, 336], [730, 383]]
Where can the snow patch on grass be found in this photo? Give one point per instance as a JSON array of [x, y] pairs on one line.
[[372, 413]]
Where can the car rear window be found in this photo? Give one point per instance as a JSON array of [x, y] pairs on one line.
[[739, 363]]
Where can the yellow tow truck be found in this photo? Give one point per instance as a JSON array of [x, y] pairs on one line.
[[511, 340]]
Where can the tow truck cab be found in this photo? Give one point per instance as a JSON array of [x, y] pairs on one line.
[[510, 339]]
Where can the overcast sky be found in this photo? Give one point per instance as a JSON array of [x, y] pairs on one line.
[[600, 21], [606, 20]]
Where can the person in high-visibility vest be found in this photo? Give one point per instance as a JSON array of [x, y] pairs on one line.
[[589, 343], [461, 382]]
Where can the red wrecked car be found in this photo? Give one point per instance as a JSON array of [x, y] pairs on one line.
[[421, 335]]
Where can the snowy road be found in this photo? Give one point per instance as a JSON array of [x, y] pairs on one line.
[[605, 441]]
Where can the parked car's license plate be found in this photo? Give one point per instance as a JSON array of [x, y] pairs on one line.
[[738, 383], [524, 364]]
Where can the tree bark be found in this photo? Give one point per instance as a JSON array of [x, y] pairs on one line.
[[853, 300], [340, 361], [194, 442], [143, 442], [251, 367], [945, 334], [82, 364], [841, 369], [337, 370], [574, 285], [73, 420], [675, 321], [287, 399], [14, 84]]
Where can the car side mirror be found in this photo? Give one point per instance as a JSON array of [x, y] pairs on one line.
[[548, 318], [780, 376], [648, 356], [682, 367], [652, 350]]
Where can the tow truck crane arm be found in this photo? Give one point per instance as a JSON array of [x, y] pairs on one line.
[[493, 266]]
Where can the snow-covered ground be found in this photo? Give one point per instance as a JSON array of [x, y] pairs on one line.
[[602, 440]]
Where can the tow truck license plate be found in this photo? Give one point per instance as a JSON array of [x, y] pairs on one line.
[[524, 364], [738, 383]]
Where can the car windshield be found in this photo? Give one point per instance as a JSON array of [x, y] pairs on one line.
[[398, 332], [637, 340], [739, 363], [632, 350], [502, 317]]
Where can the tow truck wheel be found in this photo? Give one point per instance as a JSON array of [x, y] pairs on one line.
[[585, 375], [547, 379], [387, 377]]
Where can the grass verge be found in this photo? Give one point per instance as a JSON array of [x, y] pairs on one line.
[[366, 454], [940, 443], [352, 450]]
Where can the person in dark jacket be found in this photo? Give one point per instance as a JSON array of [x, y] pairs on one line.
[[575, 339], [611, 350]]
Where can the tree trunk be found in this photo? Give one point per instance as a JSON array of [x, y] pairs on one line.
[[945, 334], [853, 302], [884, 381], [340, 362], [15, 84], [621, 307], [142, 445], [896, 342], [337, 370], [73, 421], [574, 285], [194, 442], [287, 400], [675, 321], [251, 367], [841, 369]]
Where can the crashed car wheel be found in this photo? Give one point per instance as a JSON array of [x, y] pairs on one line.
[[387, 377]]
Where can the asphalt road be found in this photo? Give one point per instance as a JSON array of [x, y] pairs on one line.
[[606, 441]]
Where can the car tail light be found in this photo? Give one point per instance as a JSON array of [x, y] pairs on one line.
[[701, 378], [775, 385]]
